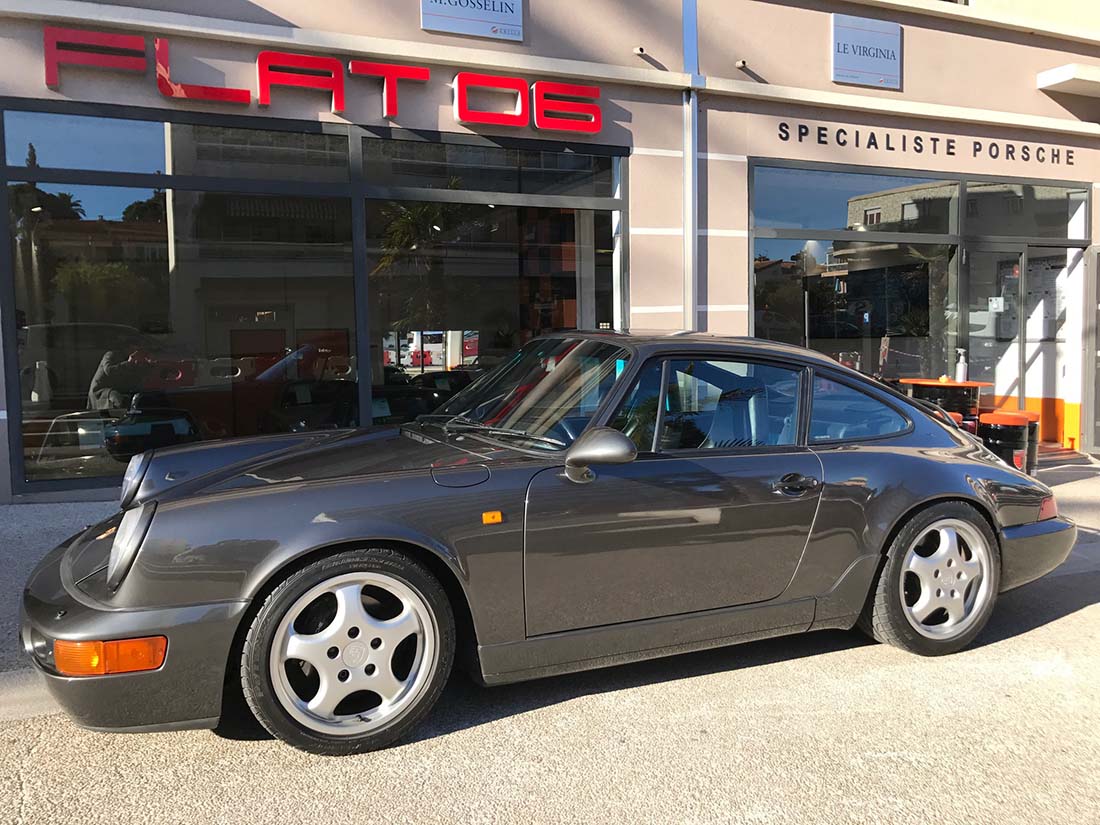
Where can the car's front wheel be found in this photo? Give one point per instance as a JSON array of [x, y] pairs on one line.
[[350, 652], [938, 582]]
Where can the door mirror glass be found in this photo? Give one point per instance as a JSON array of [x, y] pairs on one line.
[[599, 445]]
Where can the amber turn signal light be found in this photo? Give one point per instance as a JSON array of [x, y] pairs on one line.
[[492, 517], [102, 658]]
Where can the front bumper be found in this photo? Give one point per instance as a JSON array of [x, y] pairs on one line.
[[1029, 551], [185, 692]]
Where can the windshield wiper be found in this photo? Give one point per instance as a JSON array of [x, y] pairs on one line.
[[461, 423]]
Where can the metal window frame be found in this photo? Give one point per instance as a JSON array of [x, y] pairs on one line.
[[356, 188], [1089, 442]]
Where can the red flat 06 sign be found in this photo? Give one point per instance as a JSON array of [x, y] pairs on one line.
[[544, 104]]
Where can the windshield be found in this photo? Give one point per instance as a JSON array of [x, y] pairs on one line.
[[547, 391]]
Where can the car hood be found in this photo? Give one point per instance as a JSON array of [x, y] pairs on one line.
[[455, 460]]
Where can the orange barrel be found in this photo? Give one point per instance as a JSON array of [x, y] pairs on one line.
[[1005, 434], [1032, 439]]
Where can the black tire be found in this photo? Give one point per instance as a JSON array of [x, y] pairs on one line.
[[884, 618], [256, 681]]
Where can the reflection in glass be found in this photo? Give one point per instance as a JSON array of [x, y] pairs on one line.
[[883, 308], [486, 168], [54, 141], [1026, 210], [457, 287], [993, 320], [1002, 305], [257, 153], [148, 318], [819, 199], [543, 395], [840, 412]]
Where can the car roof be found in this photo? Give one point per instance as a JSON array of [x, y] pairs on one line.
[[665, 340], [648, 342]]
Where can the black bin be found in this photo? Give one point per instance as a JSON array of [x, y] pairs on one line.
[[1032, 440], [1006, 435], [952, 397]]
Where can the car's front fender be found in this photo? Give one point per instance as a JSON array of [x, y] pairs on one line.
[[227, 546]]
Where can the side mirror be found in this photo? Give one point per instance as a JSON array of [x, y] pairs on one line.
[[600, 445]]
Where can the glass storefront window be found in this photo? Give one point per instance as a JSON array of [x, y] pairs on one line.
[[155, 317], [883, 308], [1026, 210], [147, 317], [55, 141], [257, 153], [409, 163], [42, 139], [454, 288], [786, 198]]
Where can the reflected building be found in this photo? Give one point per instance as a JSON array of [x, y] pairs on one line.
[[909, 308]]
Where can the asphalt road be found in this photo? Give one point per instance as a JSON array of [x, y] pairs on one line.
[[825, 727]]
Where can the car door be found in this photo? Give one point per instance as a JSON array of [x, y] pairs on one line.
[[715, 511]]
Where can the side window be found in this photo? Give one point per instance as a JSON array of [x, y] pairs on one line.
[[638, 414], [840, 412], [721, 405]]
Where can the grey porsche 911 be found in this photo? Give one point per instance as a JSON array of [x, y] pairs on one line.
[[597, 498]]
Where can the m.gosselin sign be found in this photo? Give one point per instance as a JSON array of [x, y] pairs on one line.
[[886, 142]]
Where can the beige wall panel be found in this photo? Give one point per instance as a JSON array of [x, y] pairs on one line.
[[725, 266], [647, 118], [725, 322], [722, 124], [948, 62], [723, 195], [657, 272], [656, 192], [656, 322], [597, 30], [763, 139]]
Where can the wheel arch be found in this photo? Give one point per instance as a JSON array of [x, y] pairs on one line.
[[947, 498], [442, 569]]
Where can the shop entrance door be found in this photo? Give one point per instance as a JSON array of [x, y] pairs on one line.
[[990, 325], [1021, 334]]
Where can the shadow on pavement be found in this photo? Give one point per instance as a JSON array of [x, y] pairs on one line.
[[1040, 603], [465, 704]]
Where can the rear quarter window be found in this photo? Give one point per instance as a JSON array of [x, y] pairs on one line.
[[843, 413]]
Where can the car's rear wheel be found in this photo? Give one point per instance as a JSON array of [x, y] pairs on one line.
[[938, 583], [350, 652]]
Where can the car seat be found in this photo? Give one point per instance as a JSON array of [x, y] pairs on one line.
[[741, 416]]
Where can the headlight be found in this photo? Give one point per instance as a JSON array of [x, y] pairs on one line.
[[135, 474], [128, 538]]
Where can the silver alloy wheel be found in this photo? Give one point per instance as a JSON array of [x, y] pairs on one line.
[[352, 655], [945, 579]]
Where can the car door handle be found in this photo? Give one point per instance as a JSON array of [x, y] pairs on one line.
[[795, 484]]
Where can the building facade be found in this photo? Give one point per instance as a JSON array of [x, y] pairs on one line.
[[256, 216]]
